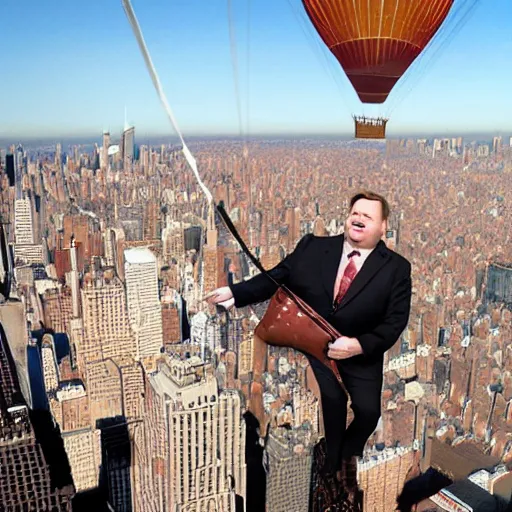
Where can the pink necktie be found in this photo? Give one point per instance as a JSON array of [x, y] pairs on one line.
[[348, 276]]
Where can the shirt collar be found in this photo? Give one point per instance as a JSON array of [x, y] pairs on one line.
[[348, 248]]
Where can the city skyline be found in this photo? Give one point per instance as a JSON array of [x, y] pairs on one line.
[[75, 79], [151, 400]]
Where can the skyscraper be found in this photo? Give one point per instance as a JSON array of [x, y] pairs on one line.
[[9, 168], [19, 165], [128, 144], [144, 311], [58, 156], [194, 453], [104, 150], [287, 460], [25, 482], [107, 331], [50, 366], [23, 222], [497, 144]]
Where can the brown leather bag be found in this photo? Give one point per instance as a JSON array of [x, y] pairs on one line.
[[289, 321]]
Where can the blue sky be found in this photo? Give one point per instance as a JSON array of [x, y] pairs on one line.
[[70, 68]]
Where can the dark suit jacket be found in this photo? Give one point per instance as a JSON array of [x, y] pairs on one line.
[[375, 310]]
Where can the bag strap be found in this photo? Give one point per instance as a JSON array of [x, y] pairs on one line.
[[239, 239], [229, 224], [232, 229]]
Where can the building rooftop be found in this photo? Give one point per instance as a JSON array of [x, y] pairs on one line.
[[477, 498], [139, 255], [459, 461]]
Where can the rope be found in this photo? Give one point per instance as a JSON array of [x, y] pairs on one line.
[[158, 86], [191, 161]]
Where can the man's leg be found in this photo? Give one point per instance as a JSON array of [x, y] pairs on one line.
[[334, 411], [366, 398]]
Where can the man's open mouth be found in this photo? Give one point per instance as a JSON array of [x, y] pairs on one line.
[[358, 224]]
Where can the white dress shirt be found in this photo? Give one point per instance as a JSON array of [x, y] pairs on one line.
[[358, 260]]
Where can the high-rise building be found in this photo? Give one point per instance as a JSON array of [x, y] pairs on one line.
[[104, 387], [83, 458], [483, 150], [381, 476], [9, 168], [23, 222], [107, 331], [287, 461], [171, 322], [19, 166], [496, 144], [422, 146], [173, 238], [212, 257], [50, 366], [194, 452], [5, 264], [58, 308], [72, 279], [128, 146], [25, 482], [58, 156], [116, 461], [144, 310], [499, 284], [152, 228], [104, 151]]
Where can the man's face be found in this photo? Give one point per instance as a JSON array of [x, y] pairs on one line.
[[364, 225]]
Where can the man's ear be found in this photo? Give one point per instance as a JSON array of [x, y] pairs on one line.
[[384, 227]]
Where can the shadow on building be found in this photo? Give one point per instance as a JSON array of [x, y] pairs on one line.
[[256, 477], [114, 486], [49, 437], [116, 462]]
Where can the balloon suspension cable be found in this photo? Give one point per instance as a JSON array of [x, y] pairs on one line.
[[163, 99]]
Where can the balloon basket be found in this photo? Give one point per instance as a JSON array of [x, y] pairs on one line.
[[370, 127]]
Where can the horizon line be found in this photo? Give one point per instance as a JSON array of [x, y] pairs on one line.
[[89, 138]]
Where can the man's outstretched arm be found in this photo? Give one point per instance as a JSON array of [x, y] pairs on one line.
[[259, 288]]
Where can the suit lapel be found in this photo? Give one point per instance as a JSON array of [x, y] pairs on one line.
[[377, 259], [330, 264]]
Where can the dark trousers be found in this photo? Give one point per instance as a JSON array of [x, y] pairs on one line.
[[342, 442]]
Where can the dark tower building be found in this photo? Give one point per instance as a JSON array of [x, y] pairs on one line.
[[499, 284], [9, 168], [25, 475]]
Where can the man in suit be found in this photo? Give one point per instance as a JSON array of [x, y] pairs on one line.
[[364, 290]]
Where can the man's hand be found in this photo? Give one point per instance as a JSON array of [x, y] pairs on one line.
[[344, 347], [221, 297]]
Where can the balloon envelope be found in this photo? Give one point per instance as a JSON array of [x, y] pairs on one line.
[[375, 41]]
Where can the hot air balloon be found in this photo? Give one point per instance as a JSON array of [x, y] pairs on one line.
[[375, 42]]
